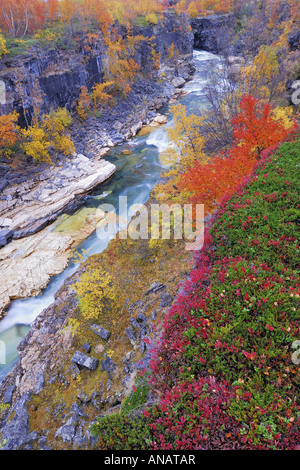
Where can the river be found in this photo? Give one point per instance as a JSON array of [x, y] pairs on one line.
[[137, 173]]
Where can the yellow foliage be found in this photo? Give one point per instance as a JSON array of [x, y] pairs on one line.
[[49, 133], [99, 96], [151, 18], [120, 68], [95, 291], [284, 115], [3, 49], [193, 10], [185, 148], [37, 145], [84, 103], [260, 77], [186, 141]]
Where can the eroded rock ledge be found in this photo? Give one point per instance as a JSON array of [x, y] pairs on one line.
[[28, 207]]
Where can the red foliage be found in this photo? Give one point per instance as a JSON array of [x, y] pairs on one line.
[[255, 130]]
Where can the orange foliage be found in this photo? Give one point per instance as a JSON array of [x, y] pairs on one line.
[[19, 17], [255, 129], [8, 134]]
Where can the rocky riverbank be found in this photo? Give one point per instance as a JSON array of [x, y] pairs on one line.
[[66, 378], [33, 197]]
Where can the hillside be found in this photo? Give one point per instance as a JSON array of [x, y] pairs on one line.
[[149, 212], [226, 371]]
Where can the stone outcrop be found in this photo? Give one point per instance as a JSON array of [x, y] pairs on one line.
[[28, 207], [45, 354], [60, 72], [38, 250], [294, 41], [212, 33]]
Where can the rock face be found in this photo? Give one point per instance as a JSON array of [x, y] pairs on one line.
[[31, 199], [26, 264], [60, 73], [15, 431], [212, 33], [294, 41], [28, 207], [47, 355]]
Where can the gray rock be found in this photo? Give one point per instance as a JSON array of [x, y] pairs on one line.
[[166, 300], [134, 323], [74, 370], [141, 319], [154, 315], [108, 364], [127, 357], [155, 287], [83, 360], [100, 331], [80, 440], [5, 235], [131, 336], [7, 399], [39, 385], [66, 432], [178, 82], [77, 411], [83, 397], [97, 400], [87, 347], [16, 431]]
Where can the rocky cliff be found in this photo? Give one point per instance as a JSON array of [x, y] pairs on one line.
[[213, 33], [59, 75]]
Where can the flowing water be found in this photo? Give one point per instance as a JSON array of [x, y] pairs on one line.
[[137, 173]]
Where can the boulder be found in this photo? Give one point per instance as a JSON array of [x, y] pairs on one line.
[[66, 432], [5, 235], [108, 364], [16, 431], [155, 287], [100, 331], [166, 300], [7, 399], [83, 360], [131, 336], [178, 82]]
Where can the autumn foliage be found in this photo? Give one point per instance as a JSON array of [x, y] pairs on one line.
[[255, 129], [8, 132]]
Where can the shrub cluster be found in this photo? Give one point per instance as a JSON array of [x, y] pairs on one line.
[[224, 368]]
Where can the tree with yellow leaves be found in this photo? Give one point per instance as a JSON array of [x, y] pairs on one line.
[[262, 78], [120, 68], [49, 133], [3, 49], [186, 141], [84, 103], [185, 148], [95, 291], [99, 95]]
